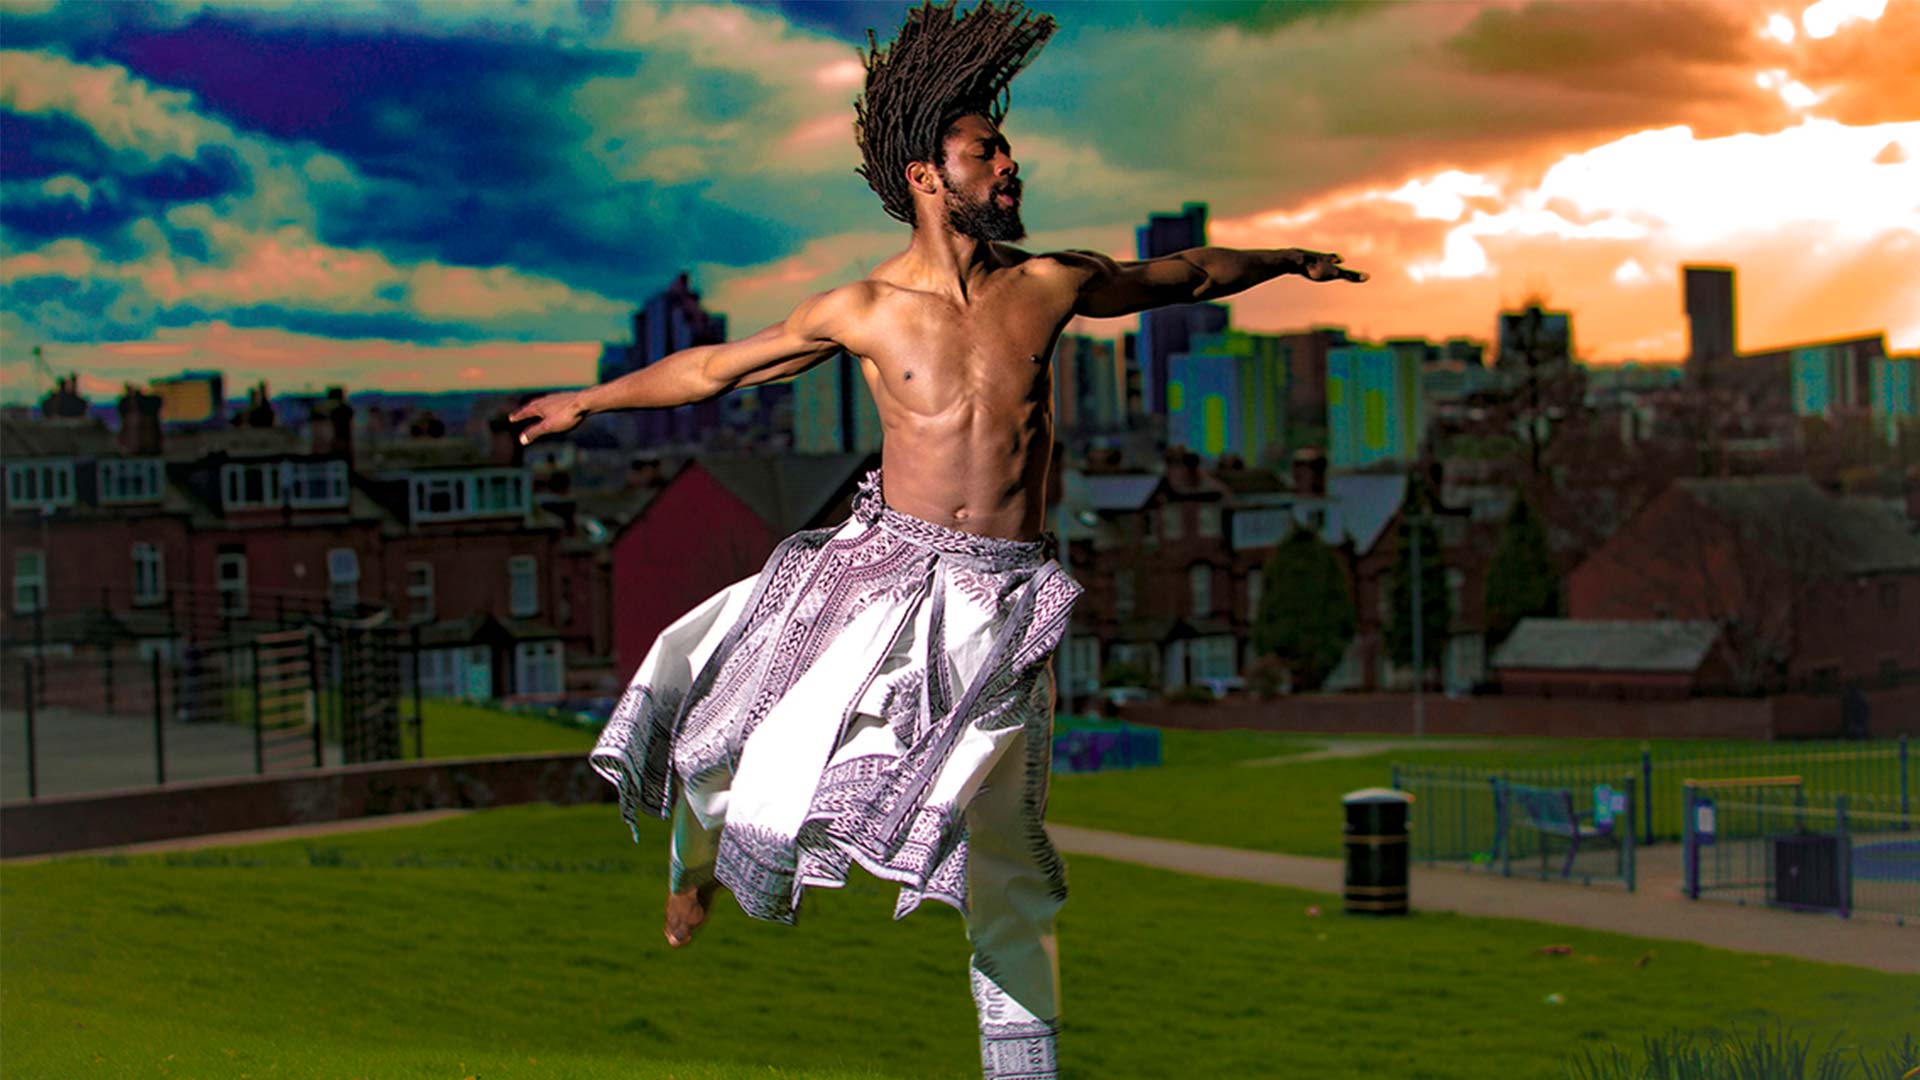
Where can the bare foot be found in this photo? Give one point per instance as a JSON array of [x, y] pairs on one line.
[[686, 911]]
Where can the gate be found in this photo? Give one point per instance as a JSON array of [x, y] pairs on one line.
[[368, 659], [286, 691]]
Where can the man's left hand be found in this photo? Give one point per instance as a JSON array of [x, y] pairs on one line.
[[1325, 266]]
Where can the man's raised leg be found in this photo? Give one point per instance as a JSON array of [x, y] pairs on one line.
[[1015, 886], [690, 881]]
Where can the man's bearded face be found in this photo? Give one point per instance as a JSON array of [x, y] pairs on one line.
[[985, 215]]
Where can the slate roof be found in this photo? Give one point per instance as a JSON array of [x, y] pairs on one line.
[[1800, 526], [87, 437], [1655, 646], [788, 491]]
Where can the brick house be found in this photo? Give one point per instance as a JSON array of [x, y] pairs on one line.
[[714, 523], [1809, 591]]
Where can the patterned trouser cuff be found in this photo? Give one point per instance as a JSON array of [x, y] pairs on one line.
[[1019, 1052]]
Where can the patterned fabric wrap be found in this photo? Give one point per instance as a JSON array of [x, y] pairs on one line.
[[844, 705]]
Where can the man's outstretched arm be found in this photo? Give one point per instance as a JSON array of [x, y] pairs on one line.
[[783, 350], [1111, 287]]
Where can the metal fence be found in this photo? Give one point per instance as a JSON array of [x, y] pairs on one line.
[[1491, 821], [298, 689], [1768, 841], [1876, 776]]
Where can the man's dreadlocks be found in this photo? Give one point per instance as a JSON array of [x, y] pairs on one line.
[[937, 70]]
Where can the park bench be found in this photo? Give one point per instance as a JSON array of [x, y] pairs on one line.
[[1550, 811]]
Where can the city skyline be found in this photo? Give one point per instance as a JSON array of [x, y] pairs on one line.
[[475, 197]]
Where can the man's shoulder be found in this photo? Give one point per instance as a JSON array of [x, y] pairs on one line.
[[1070, 261]]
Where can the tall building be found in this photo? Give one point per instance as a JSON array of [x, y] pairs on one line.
[[1895, 395], [1710, 334], [1228, 395], [1168, 330], [669, 321], [833, 411], [191, 397], [1831, 378], [1089, 386], [1306, 358], [1533, 338], [1375, 408]]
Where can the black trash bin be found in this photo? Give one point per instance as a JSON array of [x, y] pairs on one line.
[[1376, 836]]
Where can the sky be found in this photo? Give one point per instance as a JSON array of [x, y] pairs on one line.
[[448, 194]]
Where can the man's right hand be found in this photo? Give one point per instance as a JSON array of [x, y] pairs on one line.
[[556, 412]]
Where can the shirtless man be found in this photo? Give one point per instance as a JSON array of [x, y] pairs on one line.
[[953, 335]]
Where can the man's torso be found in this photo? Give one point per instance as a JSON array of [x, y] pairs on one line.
[[964, 391]]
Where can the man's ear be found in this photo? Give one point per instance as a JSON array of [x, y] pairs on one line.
[[923, 178]]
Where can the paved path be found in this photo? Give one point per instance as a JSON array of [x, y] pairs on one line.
[[1353, 748], [1655, 911], [79, 751]]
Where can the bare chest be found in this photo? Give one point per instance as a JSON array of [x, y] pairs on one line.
[[931, 358]]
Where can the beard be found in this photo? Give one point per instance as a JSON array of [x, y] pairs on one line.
[[983, 219]]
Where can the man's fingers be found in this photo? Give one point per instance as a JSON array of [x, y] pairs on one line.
[[1354, 275]]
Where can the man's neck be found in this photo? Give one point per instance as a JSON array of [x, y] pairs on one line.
[[943, 261]]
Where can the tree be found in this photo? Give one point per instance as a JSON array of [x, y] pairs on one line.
[[1416, 515], [1520, 580], [1306, 613]]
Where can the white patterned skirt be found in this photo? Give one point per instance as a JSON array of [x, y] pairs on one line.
[[844, 706]]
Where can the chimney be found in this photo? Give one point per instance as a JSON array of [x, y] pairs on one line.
[[64, 402], [139, 422], [1309, 472], [1183, 468], [331, 429], [258, 412], [504, 441]]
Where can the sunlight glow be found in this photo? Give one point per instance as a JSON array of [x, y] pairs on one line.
[[1779, 28], [1823, 19]]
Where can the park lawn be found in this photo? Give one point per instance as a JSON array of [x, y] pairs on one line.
[[524, 942], [457, 729], [1218, 787]]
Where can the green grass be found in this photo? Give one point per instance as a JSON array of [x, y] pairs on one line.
[[452, 729], [524, 942], [1204, 792]]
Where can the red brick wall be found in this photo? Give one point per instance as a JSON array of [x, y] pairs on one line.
[[694, 539]]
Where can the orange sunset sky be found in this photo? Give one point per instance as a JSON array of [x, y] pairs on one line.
[[464, 196]]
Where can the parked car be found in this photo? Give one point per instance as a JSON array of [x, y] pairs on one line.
[[1231, 684]]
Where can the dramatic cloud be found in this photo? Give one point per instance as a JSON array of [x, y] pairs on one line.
[[363, 189]]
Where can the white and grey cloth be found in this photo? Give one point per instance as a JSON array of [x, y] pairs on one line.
[[879, 693]]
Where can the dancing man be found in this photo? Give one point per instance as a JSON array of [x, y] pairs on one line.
[[881, 692]]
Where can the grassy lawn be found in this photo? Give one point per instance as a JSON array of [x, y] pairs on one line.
[[524, 942], [1207, 792], [452, 729]]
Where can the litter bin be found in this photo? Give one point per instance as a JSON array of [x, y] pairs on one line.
[[1376, 836]]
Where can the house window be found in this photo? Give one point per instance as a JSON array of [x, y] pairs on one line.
[[1210, 522], [1172, 527], [251, 486], [538, 667], [523, 586], [463, 672], [230, 582], [40, 483], [343, 579], [129, 480], [1200, 583], [1456, 590], [29, 582], [498, 493], [439, 496], [1123, 593], [317, 483], [149, 574], [1253, 593], [420, 592], [1211, 657], [1083, 664]]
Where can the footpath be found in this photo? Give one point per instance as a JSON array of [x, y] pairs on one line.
[[1657, 910]]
